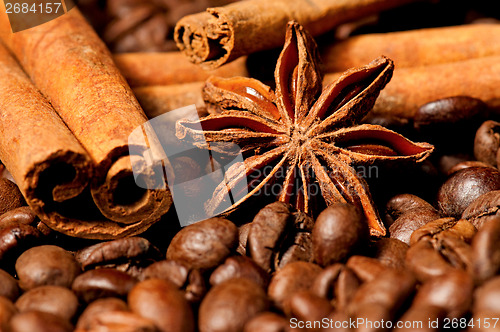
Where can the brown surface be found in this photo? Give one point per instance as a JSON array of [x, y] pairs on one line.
[[223, 34], [72, 67]]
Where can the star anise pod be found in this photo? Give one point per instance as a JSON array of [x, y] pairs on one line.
[[305, 137]]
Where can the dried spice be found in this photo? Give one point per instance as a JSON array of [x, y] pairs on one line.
[[298, 140]]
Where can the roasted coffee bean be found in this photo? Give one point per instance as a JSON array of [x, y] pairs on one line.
[[20, 215], [398, 205], [97, 308], [467, 164], [461, 229], [451, 291], [388, 291], [161, 302], [290, 279], [366, 268], [56, 300], [10, 196], [486, 297], [13, 240], [483, 209], [487, 142], [8, 286], [346, 287], [117, 251], [173, 271], [240, 267], [196, 288], [464, 186], [205, 244], [243, 231], [100, 283], [37, 321], [228, 306], [117, 321], [425, 262], [338, 231], [455, 250], [305, 306], [279, 236], [267, 322], [486, 250], [324, 284], [418, 318], [447, 161], [390, 252], [408, 222], [46, 265], [7, 310]]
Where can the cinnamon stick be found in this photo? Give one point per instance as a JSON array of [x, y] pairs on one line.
[[415, 47], [72, 67], [223, 34], [47, 162], [146, 69], [411, 88]]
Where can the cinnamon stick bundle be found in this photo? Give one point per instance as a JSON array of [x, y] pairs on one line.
[[223, 34], [415, 47], [147, 69], [71, 66], [411, 88]]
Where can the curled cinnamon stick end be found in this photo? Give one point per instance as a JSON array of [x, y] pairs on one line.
[[223, 34]]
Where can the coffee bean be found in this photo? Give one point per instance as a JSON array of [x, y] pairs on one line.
[[205, 244], [8, 286], [228, 306], [451, 291], [307, 306], [290, 279], [196, 288], [10, 196], [173, 271], [267, 322], [464, 186], [117, 251], [20, 215], [398, 205], [13, 240], [7, 310], [366, 268], [240, 267], [56, 300], [346, 287], [408, 222], [243, 231], [338, 231], [117, 321], [338, 317], [461, 229], [324, 284], [161, 302], [467, 164], [486, 297], [483, 208], [486, 250], [425, 262], [390, 252], [46, 265], [97, 308], [487, 142], [37, 321], [100, 283]]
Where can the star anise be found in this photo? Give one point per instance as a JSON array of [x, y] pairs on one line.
[[303, 136]]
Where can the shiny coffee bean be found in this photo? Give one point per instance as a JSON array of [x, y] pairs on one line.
[[8, 286], [290, 279], [390, 252], [339, 230], [324, 284], [99, 307], [118, 321], [121, 250], [366, 268], [467, 164], [7, 310], [20, 215], [161, 302], [10, 196], [487, 297], [483, 208], [205, 244], [173, 271], [196, 287], [346, 287], [408, 222], [464, 186], [46, 265], [461, 229], [305, 305], [228, 306], [100, 283], [37, 321], [398, 205], [56, 300], [486, 250], [14, 239], [240, 267], [451, 291], [267, 322], [487, 142]]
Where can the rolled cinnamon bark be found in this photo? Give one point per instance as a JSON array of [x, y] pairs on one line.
[[47, 162], [72, 67], [157, 100], [223, 34], [147, 69], [411, 88], [415, 47]]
